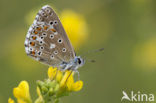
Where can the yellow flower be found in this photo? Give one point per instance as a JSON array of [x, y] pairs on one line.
[[22, 92], [40, 98], [11, 100], [59, 84], [59, 75], [75, 26], [66, 80], [145, 54], [38, 91], [53, 73]]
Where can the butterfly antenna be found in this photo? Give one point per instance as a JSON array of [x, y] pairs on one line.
[[93, 51], [89, 60]]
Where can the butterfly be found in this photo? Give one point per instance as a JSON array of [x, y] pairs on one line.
[[46, 41]]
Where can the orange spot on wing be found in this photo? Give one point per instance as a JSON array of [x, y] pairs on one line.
[[53, 30], [45, 27], [33, 52], [32, 43], [38, 28], [35, 32], [34, 37]]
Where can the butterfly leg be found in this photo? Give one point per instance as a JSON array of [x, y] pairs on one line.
[[78, 74]]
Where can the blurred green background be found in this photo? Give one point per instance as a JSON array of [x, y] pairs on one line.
[[125, 28]]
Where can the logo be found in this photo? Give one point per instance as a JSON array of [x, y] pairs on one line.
[[138, 96]]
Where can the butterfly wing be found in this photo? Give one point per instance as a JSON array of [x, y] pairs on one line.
[[47, 41]]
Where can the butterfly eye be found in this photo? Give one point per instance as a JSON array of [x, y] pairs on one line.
[[79, 61], [59, 40], [64, 50]]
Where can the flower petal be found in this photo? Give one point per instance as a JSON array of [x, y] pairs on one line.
[[38, 91], [39, 99], [70, 82], [65, 78], [59, 75], [11, 100], [77, 86], [22, 91], [21, 101], [18, 93], [51, 72]]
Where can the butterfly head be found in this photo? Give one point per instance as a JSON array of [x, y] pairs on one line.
[[79, 61]]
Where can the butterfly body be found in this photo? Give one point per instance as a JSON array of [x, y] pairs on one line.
[[73, 64], [47, 42]]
